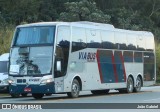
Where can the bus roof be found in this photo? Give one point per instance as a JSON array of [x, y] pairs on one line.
[[88, 24]]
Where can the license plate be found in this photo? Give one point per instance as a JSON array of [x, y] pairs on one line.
[[27, 89]]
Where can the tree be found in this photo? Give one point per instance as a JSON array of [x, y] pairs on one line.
[[83, 11]]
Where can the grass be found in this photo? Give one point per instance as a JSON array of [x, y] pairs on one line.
[[5, 39], [4, 94]]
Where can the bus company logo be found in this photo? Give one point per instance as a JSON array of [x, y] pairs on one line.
[[89, 56]]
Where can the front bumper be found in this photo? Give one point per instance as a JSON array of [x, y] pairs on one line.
[[19, 89]]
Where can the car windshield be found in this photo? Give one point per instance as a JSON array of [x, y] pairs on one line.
[[3, 66], [31, 60], [34, 35]]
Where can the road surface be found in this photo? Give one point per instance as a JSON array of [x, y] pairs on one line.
[[147, 95]]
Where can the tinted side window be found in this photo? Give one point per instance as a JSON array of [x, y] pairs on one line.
[[131, 40], [78, 39], [107, 39], [106, 68], [149, 58], [128, 56], [120, 40], [119, 65], [138, 57], [149, 43], [140, 43], [149, 66], [93, 38]]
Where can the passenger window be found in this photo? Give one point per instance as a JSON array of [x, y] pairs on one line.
[[149, 43], [140, 43], [93, 38], [128, 56], [120, 40], [63, 36], [78, 39], [131, 40], [138, 57], [107, 39], [149, 66]]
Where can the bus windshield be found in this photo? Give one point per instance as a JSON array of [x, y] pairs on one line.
[[34, 35], [31, 53], [31, 60]]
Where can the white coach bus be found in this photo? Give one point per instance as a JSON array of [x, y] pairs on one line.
[[69, 57]]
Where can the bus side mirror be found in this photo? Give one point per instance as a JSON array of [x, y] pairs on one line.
[[58, 66]]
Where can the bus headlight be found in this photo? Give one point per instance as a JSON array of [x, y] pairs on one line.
[[46, 81], [11, 81]]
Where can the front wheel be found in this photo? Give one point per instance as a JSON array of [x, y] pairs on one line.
[[37, 95], [75, 89], [138, 85]]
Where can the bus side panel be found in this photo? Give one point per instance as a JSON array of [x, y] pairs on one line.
[[134, 69], [92, 75]]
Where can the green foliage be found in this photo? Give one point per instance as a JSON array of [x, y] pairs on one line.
[[83, 11], [158, 61], [5, 38]]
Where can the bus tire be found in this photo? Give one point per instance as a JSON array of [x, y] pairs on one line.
[[138, 84], [24, 94], [130, 85], [15, 95], [37, 95], [75, 89]]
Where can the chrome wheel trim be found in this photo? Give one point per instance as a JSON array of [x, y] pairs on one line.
[[130, 85], [75, 89]]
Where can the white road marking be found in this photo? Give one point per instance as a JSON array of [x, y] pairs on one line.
[[152, 99]]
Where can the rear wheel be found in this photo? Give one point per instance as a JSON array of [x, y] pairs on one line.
[[75, 89], [130, 85], [138, 84], [37, 95]]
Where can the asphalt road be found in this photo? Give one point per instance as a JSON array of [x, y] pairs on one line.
[[147, 95]]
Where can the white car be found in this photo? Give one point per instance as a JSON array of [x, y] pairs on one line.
[[4, 73]]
